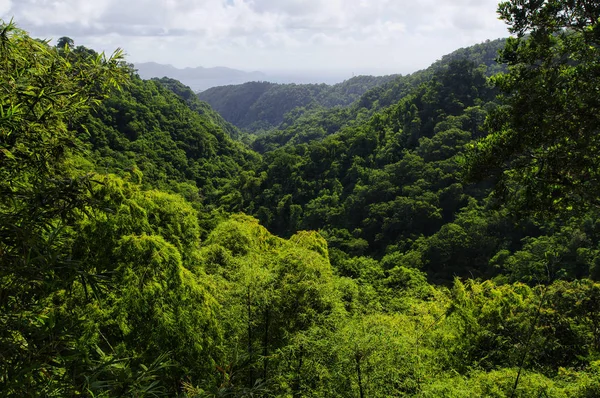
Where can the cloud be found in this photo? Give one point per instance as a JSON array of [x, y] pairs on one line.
[[5, 6], [261, 29]]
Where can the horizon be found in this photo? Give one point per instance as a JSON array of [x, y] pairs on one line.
[[375, 37], [306, 76]]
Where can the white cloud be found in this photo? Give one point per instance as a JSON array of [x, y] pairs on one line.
[[263, 34], [5, 6], [42, 12]]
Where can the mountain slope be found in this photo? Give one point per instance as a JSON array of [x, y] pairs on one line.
[[184, 92], [149, 128], [261, 105], [390, 187], [111, 286], [385, 181], [304, 125]]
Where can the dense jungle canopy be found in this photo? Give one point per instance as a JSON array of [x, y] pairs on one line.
[[428, 235]]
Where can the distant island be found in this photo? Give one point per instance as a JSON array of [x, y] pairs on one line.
[[199, 78]]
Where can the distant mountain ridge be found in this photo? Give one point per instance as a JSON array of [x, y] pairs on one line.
[[254, 106], [198, 78], [304, 125]]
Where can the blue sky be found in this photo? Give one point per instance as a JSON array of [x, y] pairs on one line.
[[363, 36]]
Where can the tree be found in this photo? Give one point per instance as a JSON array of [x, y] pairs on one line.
[[543, 143], [41, 194], [65, 42]]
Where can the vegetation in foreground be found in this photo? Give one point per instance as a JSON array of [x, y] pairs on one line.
[[128, 269]]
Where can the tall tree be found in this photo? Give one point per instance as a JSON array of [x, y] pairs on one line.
[[544, 142], [65, 41], [41, 96]]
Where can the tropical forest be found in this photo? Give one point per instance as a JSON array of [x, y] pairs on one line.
[[435, 234]]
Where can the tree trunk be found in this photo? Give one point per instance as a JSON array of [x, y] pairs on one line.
[[266, 344], [359, 374], [249, 326]]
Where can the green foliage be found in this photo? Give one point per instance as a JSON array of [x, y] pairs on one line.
[[202, 108], [255, 106], [176, 143], [161, 306], [310, 123], [143, 282], [386, 182], [543, 142], [41, 95]]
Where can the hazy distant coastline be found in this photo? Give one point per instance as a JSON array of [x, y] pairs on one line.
[[200, 78]]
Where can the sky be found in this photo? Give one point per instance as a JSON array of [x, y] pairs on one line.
[[362, 36]]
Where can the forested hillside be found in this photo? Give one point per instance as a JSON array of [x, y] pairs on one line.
[[257, 106], [305, 124], [441, 242], [149, 128]]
